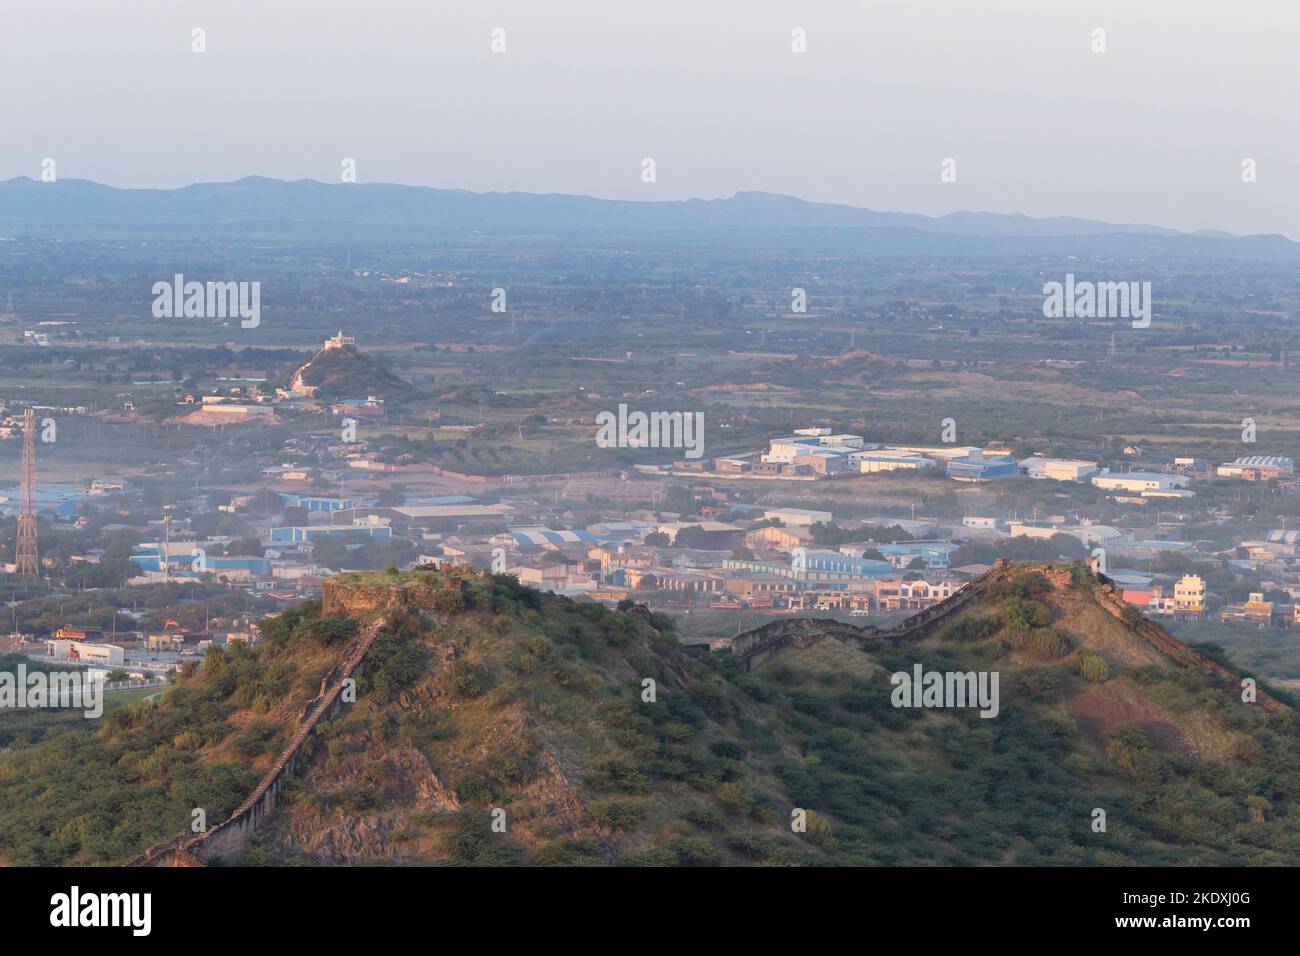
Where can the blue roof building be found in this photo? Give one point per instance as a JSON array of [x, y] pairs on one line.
[[825, 570], [979, 467], [935, 554]]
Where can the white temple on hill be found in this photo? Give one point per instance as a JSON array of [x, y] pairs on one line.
[[297, 387]]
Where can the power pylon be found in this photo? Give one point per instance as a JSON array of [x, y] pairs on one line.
[[167, 549], [25, 556]]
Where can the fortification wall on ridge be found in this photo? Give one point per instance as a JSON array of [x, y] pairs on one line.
[[756, 646], [229, 839], [1112, 600], [361, 600], [759, 645]]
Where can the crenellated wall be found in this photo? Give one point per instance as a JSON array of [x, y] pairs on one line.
[[1112, 600], [369, 603], [229, 839], [756, 646]]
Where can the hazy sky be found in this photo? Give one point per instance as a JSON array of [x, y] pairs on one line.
[[1154, 130]]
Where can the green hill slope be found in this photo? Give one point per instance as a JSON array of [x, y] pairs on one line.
[[497, 704]]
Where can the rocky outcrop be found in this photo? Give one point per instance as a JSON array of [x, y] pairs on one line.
[[335, 835], [361, 600]]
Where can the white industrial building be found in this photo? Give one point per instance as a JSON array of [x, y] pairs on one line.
[[63, 650], [1058, 469], [809, 440], [798, 517], [1140, 481], [886, 459]]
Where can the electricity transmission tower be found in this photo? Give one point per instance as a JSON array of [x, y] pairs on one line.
[[26, 552]]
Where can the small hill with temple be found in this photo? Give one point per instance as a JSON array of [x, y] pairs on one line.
[[340, 370]]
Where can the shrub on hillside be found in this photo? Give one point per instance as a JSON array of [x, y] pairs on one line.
[[755, 688], [1091, 667], [711, 697], [1021, 584], [614, 815], [358, 798], [466, 680], [474, 788], [1024, 614], [818, 829], [728, 749], [1127, 745], [1043, 684], [615, 773], [1041, 642], [394, 665], [1080, 577], [325, 630], [449, 602], [276, 630], [735, 796], [509, 594], [970, 629], [692, 851], [257, 738], [751, 845], [509, 767], [472, 842], [706, 818]]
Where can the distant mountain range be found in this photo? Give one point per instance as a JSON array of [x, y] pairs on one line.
[[72, 207]]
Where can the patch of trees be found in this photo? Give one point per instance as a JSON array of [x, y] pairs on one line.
[[1020, 548]]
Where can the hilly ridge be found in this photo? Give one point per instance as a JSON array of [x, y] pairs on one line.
[[256, 205], [492, 697]]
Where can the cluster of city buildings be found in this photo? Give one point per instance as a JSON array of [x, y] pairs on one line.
[[602, 537], [136, 655], [764, 558], [813, 453]]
